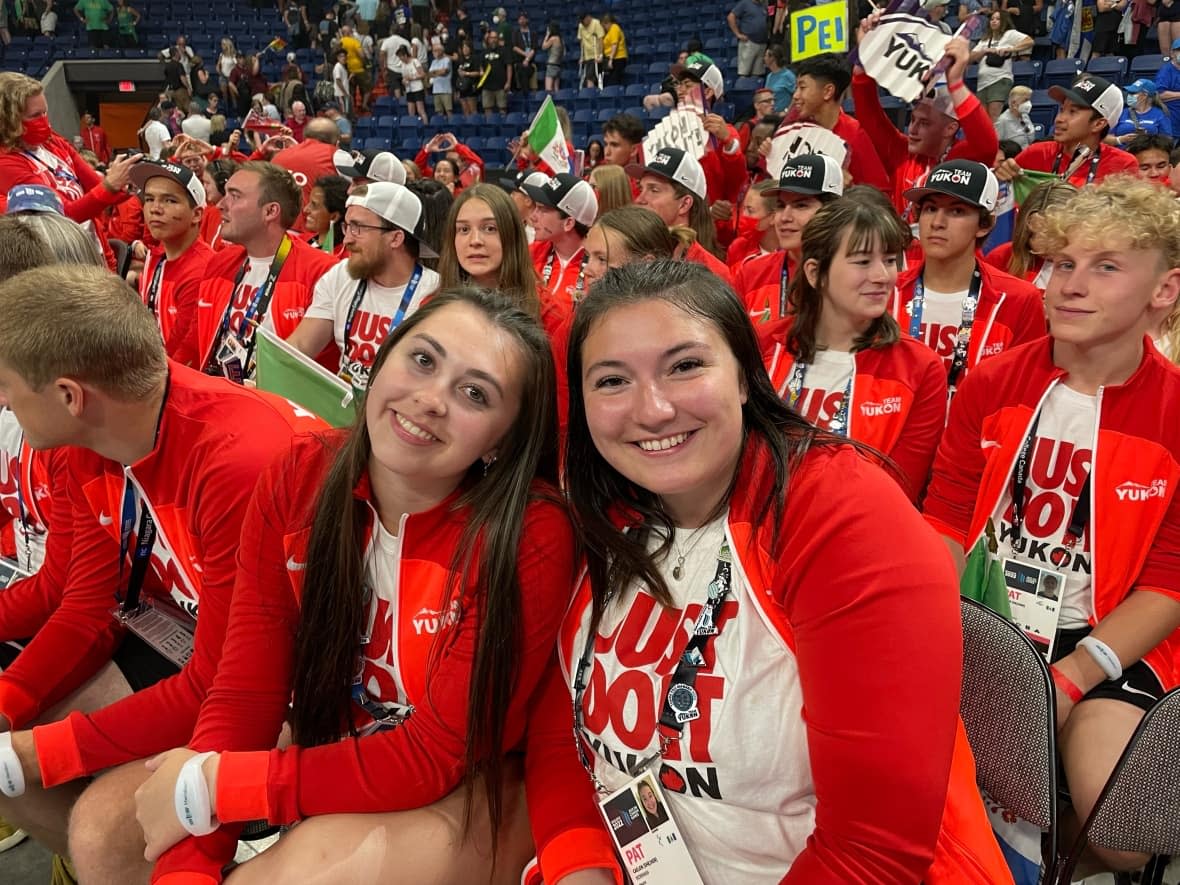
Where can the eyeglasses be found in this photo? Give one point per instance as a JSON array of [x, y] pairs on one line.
[[354, 228]]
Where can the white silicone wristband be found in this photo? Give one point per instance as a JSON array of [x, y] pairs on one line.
[[191, 797], [12, 774], [1103, 656]]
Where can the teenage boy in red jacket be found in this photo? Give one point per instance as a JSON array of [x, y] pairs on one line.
[[161, 463], [954, 301], [1068, 449]]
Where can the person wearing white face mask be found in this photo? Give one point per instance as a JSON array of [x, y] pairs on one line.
[[1015, 124], [1143, 114]]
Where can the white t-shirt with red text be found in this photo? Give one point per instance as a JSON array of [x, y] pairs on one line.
[[824, 385], [941, 315], [373, 322], [1059, 462], [257, 269], [738, 781]]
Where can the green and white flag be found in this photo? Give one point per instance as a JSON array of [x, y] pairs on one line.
[[285, 371], [547, 140]]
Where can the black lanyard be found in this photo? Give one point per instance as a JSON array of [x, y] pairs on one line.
[[680, 703], [1093, 164], [145, 538], [966, 322], [153, 291], [258, 304], [1020, 472]]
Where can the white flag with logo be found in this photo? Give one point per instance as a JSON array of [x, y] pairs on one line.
[[796, 139], [900, 52], [680, 129]]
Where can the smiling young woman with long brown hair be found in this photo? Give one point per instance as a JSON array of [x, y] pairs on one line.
[[402, 582]]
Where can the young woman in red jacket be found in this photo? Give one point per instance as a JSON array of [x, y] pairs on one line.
[[737, 573], [403, 581], [839, 358]]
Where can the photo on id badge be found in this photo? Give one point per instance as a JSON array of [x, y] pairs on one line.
[[646, 838], [1034, 595]]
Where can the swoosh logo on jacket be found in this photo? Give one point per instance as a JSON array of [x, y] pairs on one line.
[[293, 566]]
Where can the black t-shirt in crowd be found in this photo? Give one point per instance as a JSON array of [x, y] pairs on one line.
[[497, 60], [172, 74]]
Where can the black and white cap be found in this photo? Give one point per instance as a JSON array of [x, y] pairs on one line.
[[674, 165], [707, 73], [516, 182], [566, 193], [373, 165], [812, 174], [399, 206], [964, 180], [145, 170], [1093, 92]]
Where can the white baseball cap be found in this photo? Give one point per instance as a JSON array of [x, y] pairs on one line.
[[674, 165], [399, 206]]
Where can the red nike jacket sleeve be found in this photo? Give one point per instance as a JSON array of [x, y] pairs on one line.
[[958, 464], [65, 607], [914, 451]]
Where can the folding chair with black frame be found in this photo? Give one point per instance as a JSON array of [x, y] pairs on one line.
[[1139, 808], [1008, 707]]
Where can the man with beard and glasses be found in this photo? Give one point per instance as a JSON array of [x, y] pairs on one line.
[[361, 300]]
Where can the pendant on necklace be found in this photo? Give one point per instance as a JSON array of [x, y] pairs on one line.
[[677, 571]]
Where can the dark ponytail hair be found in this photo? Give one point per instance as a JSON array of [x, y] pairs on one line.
[[616, 559], [335, 603]]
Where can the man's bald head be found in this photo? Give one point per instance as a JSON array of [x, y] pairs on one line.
[[322, 129]]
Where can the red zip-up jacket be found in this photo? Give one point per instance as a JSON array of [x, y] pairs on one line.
[[215, 438], [1010, 312], [758, 283], [293, 293], [1041, 155], [879, 688], [77, 622], [25, 474], [425, 756], [864, 163], [176, 301], [698, 253], [978, 143], [898, 399], [83, 199], [1135, 511], [562, 284], [725, 170]]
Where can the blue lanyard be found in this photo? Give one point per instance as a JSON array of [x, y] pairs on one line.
[[839, 423], [359, 295], [782, 288], [917, 307], [144, 541]]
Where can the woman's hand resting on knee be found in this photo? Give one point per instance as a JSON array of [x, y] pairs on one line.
[[155, 806]]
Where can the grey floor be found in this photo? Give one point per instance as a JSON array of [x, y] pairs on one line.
[[28, 863]]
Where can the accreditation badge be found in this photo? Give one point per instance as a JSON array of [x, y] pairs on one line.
[[169, 634], [10, 572], [232, 358], [646, 837], [1034, 595]]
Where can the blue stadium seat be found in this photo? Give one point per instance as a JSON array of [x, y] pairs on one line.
[[605, 114], [612, 92], [384, 124], [658, 113], [1110, 67], [565, 96], [748, 84], [634, 111], [1027, 73], [657, 70], [635, 90], [475, 143], [1060, 72], [1146, 66], [584, 117]]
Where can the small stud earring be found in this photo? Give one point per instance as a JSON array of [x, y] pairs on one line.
[[487, 464]]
